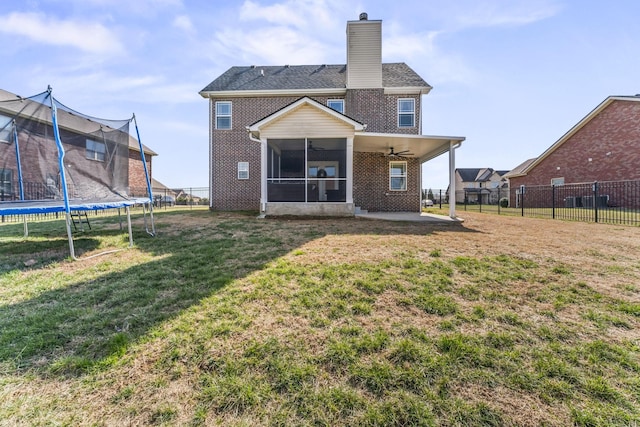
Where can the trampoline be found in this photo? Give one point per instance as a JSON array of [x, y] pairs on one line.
[[55, 159]]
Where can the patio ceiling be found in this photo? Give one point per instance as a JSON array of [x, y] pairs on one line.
[[424, 147]]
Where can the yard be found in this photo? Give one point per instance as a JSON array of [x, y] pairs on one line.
[[225, 319]]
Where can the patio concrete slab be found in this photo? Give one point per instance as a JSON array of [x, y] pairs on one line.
[[409, 216]]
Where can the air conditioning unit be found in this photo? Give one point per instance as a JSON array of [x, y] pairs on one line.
[[570, 202]]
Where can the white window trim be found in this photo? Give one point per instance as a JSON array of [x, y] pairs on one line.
[[230, 115], [243, 167], [404, 175], [413, 113], [94, 156], [5, 133], [336, 100]]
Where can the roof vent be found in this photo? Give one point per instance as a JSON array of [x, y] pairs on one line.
[[364, 16]]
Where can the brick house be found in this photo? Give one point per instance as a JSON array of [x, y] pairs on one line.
[[78, 141], [603, 146], [321, 139], [480, 185]]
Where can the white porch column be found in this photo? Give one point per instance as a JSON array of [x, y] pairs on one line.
[[350, 170], [452, 179], [264, 162]]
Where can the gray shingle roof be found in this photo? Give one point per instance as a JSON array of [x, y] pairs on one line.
[[295, 77]]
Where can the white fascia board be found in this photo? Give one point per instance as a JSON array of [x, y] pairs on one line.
[[268, 93], [407, 90]]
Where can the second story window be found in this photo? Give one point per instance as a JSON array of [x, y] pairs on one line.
[[5, 128], [95, 150], [223, 115], [406, 112], [336, 104]]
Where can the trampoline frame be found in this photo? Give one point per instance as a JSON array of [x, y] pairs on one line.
[[29, 207]]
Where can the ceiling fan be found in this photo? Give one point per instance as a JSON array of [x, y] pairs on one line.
[[310, 147], [402, 153]]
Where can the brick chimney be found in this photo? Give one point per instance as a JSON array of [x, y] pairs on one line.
[[364, 53]]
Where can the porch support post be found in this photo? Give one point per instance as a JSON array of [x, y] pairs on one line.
[[264, 162], [452, 178], [350, 170]]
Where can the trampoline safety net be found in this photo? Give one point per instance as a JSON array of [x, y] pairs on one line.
[[55, 159], [87, 161]]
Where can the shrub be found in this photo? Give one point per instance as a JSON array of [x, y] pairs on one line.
[[504, 202]]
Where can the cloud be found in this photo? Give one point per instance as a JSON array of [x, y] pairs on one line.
[[270, 46], [285, 32], [505, 13], [86, 36], [183, 23], [301, 14]]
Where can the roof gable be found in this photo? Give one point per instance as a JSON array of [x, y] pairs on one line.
[[582, 123], [306, 114]]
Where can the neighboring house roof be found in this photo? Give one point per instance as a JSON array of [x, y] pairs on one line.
[[307, 77], [474, 174], [604, 104], [478, 174], [518, 169], [157, 185]]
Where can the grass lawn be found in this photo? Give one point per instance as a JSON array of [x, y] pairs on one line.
[[225, 319]]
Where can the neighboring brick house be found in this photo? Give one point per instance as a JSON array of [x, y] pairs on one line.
[[480, 185], [78, 141], [321, 139], [603, 146]]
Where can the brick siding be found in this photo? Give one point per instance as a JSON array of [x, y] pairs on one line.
[[371, 184], [611, 140], [369, 106], [137, 178]]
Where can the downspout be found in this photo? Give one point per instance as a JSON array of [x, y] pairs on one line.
[[263, 171], [452, 178]]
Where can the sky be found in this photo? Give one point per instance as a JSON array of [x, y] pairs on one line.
[[511, 76]]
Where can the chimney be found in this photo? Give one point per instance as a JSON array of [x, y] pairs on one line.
[[364, 53]]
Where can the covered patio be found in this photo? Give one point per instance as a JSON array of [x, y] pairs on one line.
[[307, 158]]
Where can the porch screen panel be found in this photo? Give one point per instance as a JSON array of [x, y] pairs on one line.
[[286, 170]]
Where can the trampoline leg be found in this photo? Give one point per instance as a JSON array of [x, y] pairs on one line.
[[26, 228], [70, 234], [129, 225], [153, 224]]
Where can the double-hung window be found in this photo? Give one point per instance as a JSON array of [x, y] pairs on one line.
[[5, 183], [406, 112], [243, 170], [5, 128], [336, 104], [223, 114], [557, 181], [398, 176], [95, 150]]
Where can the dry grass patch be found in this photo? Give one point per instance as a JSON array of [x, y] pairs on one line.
[[226, 319]]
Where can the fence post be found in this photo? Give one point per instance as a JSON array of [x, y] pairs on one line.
[[595, 200], [440, 198], [522, 189], [553, 201]]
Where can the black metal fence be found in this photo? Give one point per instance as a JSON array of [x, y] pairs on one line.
[[614, 202], [163, 198]]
